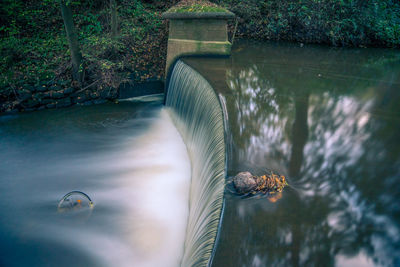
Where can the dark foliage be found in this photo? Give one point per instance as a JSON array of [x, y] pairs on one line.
[[333, 22], [34, 49]]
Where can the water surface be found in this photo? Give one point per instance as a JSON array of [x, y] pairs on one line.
[[329, 119], [129, 158]]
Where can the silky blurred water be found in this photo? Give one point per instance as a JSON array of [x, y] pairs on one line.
[[197, 113], [129, 158]]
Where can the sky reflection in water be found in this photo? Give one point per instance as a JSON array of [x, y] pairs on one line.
[[329, 119]]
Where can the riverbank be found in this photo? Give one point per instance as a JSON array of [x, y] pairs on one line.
[[35, 69], [350, 23]]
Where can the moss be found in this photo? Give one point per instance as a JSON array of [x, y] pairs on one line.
[[197, 8]]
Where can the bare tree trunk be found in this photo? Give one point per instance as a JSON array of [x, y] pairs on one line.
[[76, 55], [114, 18]]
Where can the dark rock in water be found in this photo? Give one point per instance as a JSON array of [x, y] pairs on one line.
[[245, 182]]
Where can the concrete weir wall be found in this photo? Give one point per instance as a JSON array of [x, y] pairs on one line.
[[201, 33]]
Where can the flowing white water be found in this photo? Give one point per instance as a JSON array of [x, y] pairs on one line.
[[154, 196], [197, 113], [136, 170]]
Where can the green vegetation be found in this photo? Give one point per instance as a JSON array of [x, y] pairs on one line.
[[333, 22], [34, 48], [198, 8]]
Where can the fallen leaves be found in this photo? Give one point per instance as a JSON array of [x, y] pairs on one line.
[[270, 183]]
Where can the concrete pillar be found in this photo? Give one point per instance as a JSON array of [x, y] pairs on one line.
[[197, 33]]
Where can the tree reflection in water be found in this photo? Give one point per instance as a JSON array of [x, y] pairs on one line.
[[330, 120]]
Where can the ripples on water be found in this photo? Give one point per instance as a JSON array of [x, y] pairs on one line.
[[129, 158]]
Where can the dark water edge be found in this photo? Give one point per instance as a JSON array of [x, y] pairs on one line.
[[328, 119], [131, 89], [60, 94]]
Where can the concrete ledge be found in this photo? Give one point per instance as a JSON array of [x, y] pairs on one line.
[[202, 46], [197, 34], [198, 29], [198, 15], [179, 47]]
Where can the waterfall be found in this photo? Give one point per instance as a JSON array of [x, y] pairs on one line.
[[197, 114]]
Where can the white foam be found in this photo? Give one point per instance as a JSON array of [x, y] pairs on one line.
[[146, 202]]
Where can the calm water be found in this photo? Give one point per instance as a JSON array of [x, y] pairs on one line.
[[129, 158], [329, 119]]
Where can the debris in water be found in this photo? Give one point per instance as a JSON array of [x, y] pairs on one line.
[[246, 183], [73, 201]]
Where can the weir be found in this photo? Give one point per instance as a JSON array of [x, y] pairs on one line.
[[196, 112]]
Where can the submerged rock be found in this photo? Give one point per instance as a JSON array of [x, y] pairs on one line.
[[245, 182]]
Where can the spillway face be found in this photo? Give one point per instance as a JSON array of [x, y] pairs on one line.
[[197, 114]]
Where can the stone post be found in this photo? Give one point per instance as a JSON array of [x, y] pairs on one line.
[[197, 33]]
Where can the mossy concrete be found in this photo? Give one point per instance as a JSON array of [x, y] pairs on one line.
[[197, 34]]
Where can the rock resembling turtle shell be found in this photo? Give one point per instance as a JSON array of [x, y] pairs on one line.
[[244, 182]]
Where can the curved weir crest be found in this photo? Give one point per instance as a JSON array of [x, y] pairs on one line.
[[197, 113]]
